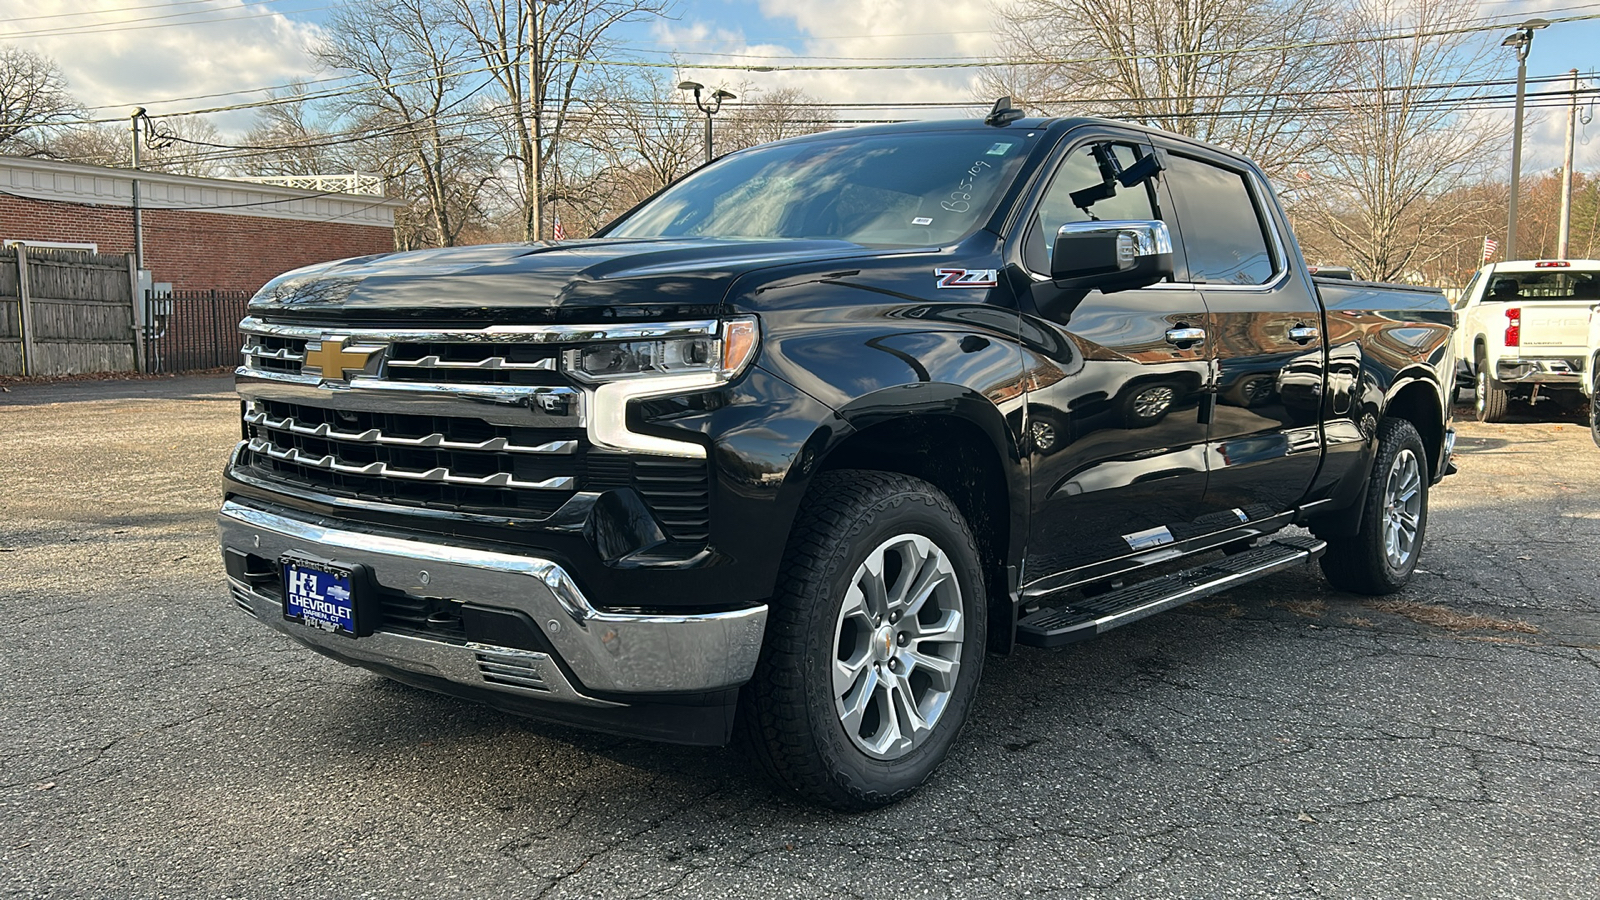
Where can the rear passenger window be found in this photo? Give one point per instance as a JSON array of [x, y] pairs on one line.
[[1224, 234]]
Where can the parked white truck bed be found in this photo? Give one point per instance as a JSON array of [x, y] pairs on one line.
[[1523, 329]]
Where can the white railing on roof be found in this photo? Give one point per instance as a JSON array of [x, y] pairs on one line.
[[353, 183]]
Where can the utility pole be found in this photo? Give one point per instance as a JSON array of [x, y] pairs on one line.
[[138, 214], [1521, 41], [535, 105], [1566, 172]]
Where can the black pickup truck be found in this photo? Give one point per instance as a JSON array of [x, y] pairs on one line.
[[795, 443]]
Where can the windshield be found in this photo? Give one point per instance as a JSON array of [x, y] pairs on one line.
[[904, 190], [1551, 284]]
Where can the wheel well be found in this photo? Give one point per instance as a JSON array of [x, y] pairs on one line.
[[955, 456], [1418, 403]]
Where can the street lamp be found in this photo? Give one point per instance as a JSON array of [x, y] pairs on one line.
[[711, 110], [1520, 41]]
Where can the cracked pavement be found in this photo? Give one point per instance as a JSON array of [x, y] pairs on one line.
[[1283, 739]]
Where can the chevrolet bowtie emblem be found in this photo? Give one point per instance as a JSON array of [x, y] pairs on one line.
[[331, 359]]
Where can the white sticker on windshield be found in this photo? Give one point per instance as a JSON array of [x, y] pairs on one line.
[[1000, 149], [922, 220]]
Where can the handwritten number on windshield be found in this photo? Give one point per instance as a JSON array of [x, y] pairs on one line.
[[961, 198]]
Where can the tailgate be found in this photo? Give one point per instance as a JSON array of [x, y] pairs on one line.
[[1558, 328]]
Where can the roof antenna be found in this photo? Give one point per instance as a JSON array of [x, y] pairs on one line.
[[1003, 113]]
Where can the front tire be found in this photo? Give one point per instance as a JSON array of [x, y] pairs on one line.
[[875, 642], [1382, 555]]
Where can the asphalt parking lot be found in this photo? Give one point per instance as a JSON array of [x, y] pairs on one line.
[[1280, 740]]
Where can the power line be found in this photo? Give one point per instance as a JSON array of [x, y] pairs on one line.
[[995, 63], [101, 12], [109, 28], [1136, 57]]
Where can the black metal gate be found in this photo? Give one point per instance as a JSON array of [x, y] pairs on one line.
[[186, 331]]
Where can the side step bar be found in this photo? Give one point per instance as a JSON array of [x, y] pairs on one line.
[[1061, 625]]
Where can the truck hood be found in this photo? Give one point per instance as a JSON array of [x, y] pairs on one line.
[[571, 280]]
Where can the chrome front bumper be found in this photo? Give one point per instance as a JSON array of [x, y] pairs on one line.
[[607, 653]]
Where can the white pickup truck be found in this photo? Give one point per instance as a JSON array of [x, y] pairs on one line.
[[1521, 332]]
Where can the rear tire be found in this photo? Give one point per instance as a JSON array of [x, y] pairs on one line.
[[1381, 556], [874, 645], [1490, 398], [1594, 400]]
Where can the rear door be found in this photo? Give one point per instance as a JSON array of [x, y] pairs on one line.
[[1265, 338]]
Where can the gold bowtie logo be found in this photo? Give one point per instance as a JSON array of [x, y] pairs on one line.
[[332, 358]]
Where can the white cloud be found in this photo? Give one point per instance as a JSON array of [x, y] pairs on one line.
[[861, 29], [236, 47], [1544, 139], [856, 32]]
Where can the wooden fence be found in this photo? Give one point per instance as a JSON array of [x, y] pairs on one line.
[[64, 312]]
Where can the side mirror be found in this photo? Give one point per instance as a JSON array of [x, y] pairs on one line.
[[1111, 256]]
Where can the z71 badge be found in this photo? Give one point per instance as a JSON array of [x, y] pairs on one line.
[[967, 278]]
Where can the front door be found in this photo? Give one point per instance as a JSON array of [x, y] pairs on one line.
[[1117, 441]]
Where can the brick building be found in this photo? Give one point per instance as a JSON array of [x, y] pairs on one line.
[[199, 233]]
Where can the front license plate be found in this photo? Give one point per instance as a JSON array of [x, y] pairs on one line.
[[320, 595]]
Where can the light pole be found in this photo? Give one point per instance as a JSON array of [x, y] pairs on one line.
[[1520, 41], [711, 110]]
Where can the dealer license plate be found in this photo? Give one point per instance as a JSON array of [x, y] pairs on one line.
[[320, 595]]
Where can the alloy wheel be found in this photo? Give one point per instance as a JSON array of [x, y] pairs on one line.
[[897, 646], [1402, 509]]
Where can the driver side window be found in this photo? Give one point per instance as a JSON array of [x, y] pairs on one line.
[[1078, 171]]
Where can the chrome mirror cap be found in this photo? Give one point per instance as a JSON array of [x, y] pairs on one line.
[[1135, 237]]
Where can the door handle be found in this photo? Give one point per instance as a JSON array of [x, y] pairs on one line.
[[1303, 334], [1185, 335]]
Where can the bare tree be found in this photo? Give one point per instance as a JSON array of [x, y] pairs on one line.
[[762, 116], [637, 136], [1213, 69], [1399, 145], [639, 133], [293, 137], [538, 53], [95, 145], [417, 111], [33, 100], [184, 145]]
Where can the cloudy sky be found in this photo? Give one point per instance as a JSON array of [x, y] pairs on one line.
[[121, 53]]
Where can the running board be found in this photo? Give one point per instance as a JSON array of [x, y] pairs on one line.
[[1061, 625]]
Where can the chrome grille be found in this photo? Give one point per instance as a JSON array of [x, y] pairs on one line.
[[270, 353], [447, 462], [446, 363], [256, 413], [481, 421], [381, 469]]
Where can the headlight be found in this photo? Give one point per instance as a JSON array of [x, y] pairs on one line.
[[722, 354]]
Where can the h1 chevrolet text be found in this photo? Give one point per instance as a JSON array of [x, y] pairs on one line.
[[792, 445]]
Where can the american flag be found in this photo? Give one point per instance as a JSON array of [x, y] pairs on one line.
[[1490, 247], [560, 234]]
